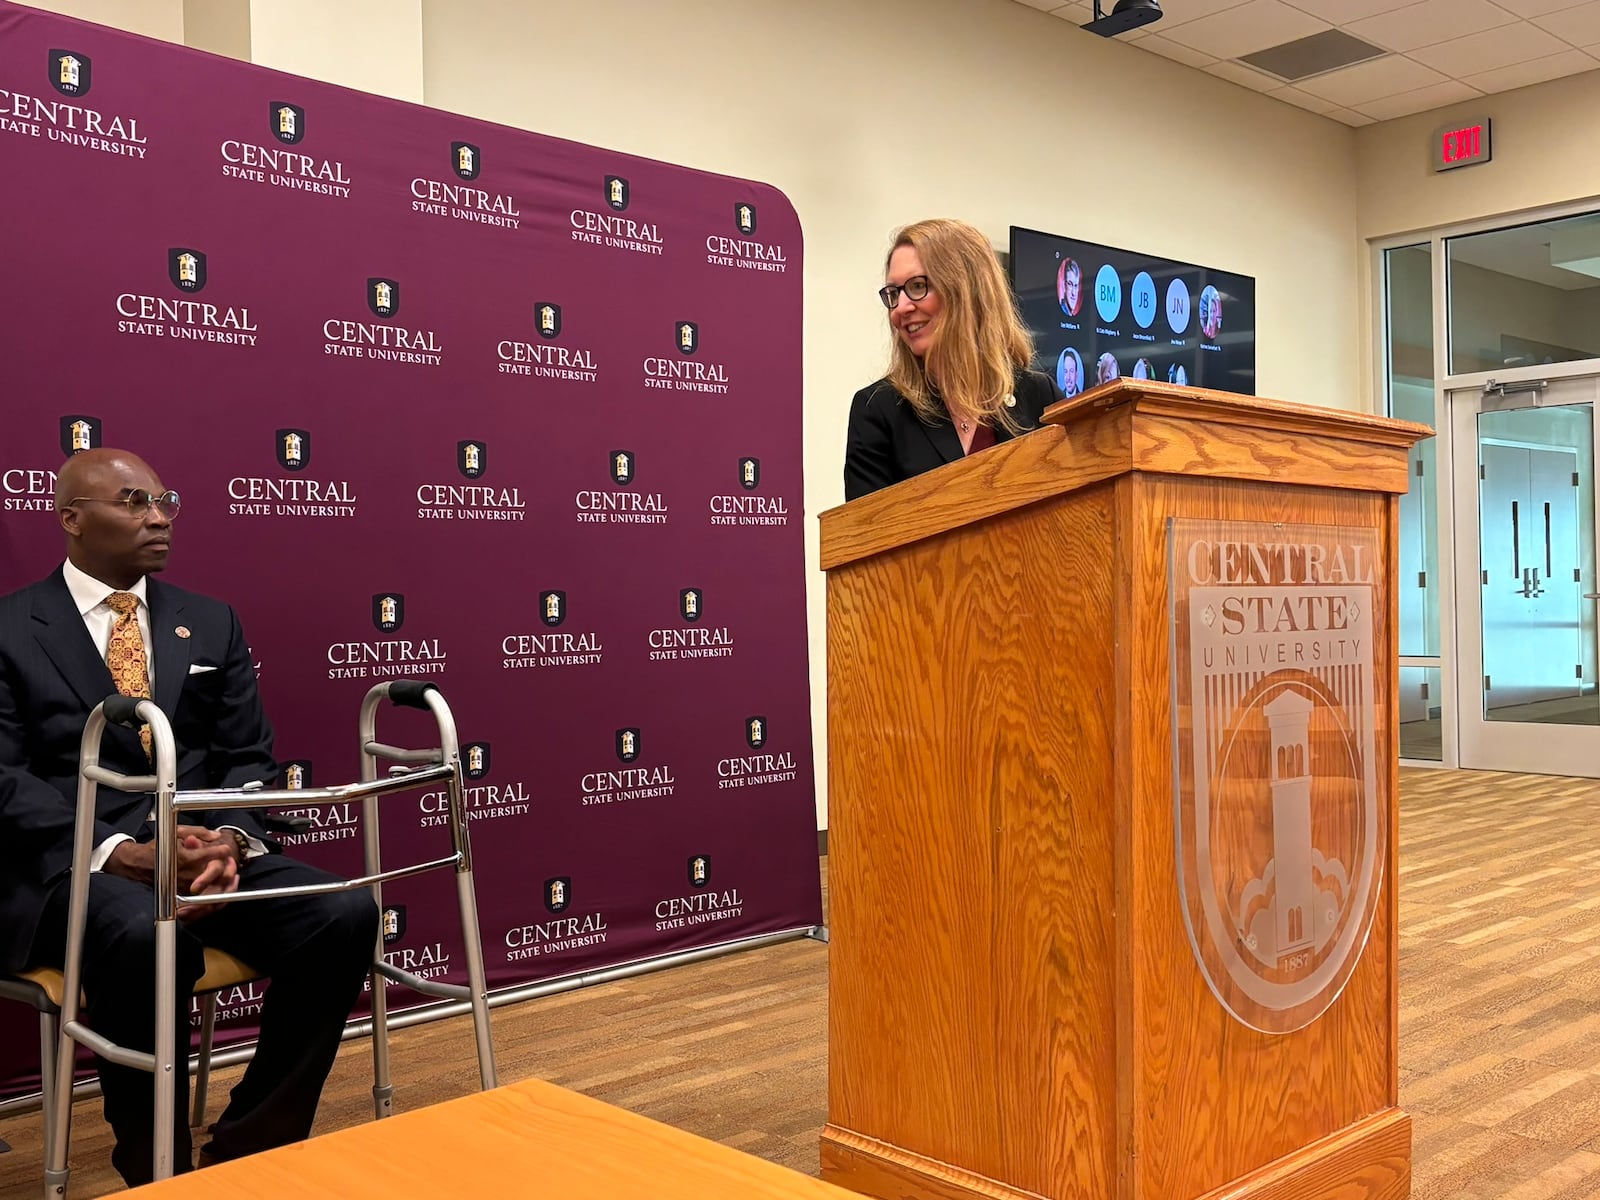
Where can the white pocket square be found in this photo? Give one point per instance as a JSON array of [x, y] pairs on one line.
[[198, 669]]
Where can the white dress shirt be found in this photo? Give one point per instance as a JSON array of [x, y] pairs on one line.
[[89, 594]]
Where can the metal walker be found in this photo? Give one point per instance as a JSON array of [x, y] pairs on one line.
[[412, 770]]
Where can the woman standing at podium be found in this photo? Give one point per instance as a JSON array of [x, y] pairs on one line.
[[958, 379]]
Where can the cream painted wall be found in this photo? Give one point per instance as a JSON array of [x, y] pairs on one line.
[[373, 45], [218, 27], [873, 113], [154, 18]]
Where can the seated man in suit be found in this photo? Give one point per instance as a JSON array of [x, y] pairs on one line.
[[99, 624]]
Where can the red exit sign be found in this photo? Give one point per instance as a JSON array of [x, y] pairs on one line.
[[1464, 144]]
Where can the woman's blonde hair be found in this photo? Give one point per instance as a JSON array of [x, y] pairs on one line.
[[980, 342]]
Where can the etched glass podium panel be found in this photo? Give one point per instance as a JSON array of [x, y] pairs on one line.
[[1282, 831]]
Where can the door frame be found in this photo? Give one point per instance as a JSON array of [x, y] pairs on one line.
[[1504, 745], [1442, 656]]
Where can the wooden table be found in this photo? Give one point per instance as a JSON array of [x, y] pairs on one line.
[[524, 1139]]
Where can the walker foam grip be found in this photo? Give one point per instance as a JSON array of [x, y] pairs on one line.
[[410, 693], [123, 710]]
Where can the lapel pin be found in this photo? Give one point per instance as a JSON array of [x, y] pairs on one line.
[[1011, 401], [182, 631]]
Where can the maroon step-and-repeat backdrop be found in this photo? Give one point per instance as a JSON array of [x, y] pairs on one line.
[[444, 400]]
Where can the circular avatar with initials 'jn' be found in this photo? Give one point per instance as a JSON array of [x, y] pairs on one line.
[[1178, 306]]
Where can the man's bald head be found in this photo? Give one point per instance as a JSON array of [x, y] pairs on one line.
[[87, 470], [106, 538]]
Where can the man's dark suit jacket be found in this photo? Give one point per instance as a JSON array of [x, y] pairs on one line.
[[51, 677], [887, 442]]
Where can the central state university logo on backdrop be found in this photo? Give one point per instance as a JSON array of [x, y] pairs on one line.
[[294, 495], [558, 893], [388, 611], [394, 924], [71, 125], [548, 358], [186, 268], [287, 122], [621, 505], [472, 458], [552, 608], [1282, 831], [686, 373], [744, 217], [383, 296], [70, 72], [547, 319], [699, 870], [693, 640], [294, 449], [296, 774], [466, 160], [616, 192], [628, 743], [735, 509], [475, 760], [757, 770], [79, 432]]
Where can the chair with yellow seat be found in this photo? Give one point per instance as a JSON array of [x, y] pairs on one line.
[[43, 987]]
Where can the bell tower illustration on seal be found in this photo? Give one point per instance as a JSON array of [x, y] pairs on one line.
[[1289, 720]]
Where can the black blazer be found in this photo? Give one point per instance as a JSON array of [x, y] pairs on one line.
[[887, 442], [51, 676]]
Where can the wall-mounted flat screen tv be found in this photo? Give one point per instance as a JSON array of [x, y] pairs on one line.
[[1100, 313]]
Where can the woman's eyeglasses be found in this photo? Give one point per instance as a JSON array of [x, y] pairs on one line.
[[138, 502], [915, 288]]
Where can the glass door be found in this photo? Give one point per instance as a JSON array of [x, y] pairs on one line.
[[1523, 460]]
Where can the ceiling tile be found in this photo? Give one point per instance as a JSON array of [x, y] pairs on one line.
[[1044, 5], [1252, 26], [1168, 48], [1429, 22], [1180, 12], [1372, 80], [1538, 70], [1305, 100], [1341, 12], [1078, 14], [1490, 49], [1452, 91], [1256, 81], [1536, 8], [1580, 26], [1350, 117]]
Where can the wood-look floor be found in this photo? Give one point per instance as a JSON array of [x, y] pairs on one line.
[[1499, 1018]]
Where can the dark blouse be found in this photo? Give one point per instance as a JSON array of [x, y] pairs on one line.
[[887, 442]]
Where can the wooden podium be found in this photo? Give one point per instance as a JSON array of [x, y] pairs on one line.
[[1112, 779]]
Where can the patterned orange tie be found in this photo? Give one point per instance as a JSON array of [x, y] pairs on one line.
[[125, 655]]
